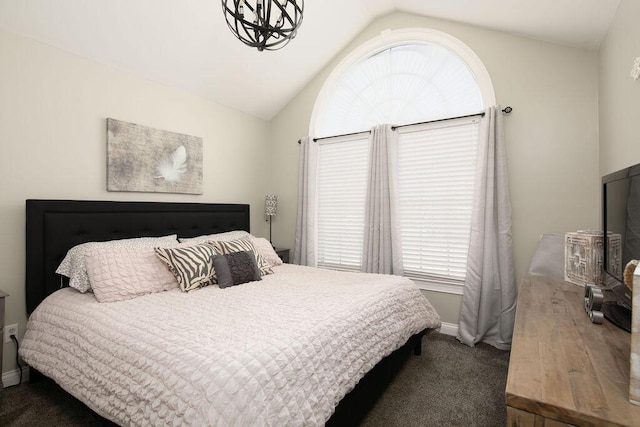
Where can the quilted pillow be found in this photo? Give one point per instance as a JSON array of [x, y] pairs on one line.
[[192, 265], [264, 248], [120, 273], [73, 264], [240, 245], [227, 236], [236, 268]]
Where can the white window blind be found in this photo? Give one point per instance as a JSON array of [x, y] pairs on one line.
[[437, 165], [341, 192], [405, 83]]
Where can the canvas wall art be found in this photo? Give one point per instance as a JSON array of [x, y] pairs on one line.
[[143, 159]]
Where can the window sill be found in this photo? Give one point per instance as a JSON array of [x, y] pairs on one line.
[[421, 283]]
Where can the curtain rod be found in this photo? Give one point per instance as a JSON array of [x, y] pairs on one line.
[[505, 110]]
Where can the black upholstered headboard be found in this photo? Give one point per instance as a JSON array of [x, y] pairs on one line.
[[55, 226]]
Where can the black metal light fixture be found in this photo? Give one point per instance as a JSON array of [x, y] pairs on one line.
[[264, 24]]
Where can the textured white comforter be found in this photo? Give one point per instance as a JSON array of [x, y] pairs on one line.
[[281, 351]]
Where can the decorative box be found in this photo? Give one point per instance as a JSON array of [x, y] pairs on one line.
[[584, 257]]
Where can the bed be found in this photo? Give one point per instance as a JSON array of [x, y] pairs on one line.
[[301, 346]]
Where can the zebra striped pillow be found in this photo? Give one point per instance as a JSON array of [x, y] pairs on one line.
[[192, 265], [241, 245]]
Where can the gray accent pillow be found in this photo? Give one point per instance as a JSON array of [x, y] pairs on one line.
[[240, 245], [236, 268]]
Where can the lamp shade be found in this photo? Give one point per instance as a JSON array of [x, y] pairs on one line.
[[270, 205]]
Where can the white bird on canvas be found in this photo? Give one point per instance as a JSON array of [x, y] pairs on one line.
[[172, 168]]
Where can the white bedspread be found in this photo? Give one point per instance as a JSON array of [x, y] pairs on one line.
[[281, 351]]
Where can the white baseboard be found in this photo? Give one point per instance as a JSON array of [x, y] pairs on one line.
[[449, 329], [13, 377]]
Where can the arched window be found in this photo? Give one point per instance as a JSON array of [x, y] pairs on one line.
[[403, 77]]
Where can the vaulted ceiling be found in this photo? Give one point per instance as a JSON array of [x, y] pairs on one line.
[[187, 44]]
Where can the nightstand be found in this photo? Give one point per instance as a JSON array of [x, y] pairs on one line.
[[283, 254], [3, 295]]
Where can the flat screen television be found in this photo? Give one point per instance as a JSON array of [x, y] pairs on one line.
[[621, 220]]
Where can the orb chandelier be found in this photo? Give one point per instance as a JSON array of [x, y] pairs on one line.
[[264, 24]]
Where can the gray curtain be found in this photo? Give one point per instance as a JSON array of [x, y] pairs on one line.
[[382, 250], [488, 305], [304, 251]]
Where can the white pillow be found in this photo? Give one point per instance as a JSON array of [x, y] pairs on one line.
[[120, 273], [264, 248], [73, 264], [225, 237]]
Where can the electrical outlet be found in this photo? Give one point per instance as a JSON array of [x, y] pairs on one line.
[[10, 330]]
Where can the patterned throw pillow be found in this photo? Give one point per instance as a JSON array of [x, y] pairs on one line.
[[73, 265], [236, 268], [240, 245], [192, 265]]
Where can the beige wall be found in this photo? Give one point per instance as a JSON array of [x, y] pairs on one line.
[[53, 107], [552, 145], [619, 94]]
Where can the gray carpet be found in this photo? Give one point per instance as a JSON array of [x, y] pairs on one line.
[[449, 385]]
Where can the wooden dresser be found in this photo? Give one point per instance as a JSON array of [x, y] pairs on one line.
[[565, 370]]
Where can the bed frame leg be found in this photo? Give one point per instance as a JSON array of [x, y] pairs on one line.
[[417, 347], [35, 376]]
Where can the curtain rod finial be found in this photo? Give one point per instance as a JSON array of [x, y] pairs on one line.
[[507, 110]]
